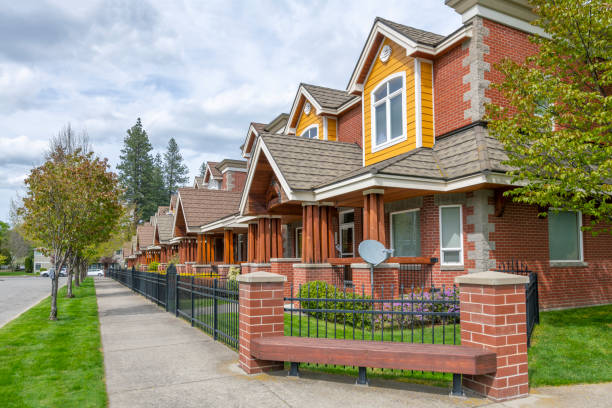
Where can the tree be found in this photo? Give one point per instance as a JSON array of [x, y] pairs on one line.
[[203, 169], [5, 253], [159, 193], [69, 204], [557, 125], [29, 262], [175, 172], [136, 172]]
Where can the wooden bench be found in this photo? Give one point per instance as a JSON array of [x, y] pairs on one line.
[[376, 354]]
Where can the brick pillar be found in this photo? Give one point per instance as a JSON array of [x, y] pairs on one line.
[[261, 315], [493, 316]]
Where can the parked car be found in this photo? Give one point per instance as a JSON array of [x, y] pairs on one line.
[[44, 273], [95, 272], [63, 272]]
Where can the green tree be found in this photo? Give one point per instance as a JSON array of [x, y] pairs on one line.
[[159, 194], [136, 172], [557, 126], [203, 169], [175, 171], [5, 252], [29, 262]]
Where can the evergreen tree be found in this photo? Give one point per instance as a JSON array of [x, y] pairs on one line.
[[203, 169], [175, 172], [158, 186], [136, 172]]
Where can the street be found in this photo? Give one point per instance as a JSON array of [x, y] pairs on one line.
[[19, 293]]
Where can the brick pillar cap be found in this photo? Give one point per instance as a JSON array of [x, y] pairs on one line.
[[491, 278], [261, 277]]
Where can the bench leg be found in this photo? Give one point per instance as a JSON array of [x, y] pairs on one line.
[[457, 391], [362, 377], [294, 371]]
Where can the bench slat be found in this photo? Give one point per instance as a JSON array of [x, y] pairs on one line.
[[376, 354]]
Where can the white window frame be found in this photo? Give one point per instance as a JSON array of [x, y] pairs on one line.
[[346, 225], [297, 249], [386, 100], [316, 126], [580, 238], [460, 249], [391, 224]]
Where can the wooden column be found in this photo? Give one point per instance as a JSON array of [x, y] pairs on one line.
[[374, 216], [324, 233], [199, 250], [227, 247], [279, 239], [316, 233], [267, 240], [332, 215], [273, 235], [261, 240], [252, 243], [307, 236]]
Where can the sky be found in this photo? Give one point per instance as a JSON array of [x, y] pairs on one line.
[[198, 71]]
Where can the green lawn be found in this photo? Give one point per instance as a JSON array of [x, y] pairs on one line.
[[15, 273], [54, 364], [572, 346], [421, 334]]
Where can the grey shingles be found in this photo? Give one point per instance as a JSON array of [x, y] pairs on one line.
[[415, 34], [203, 206], [306, 163], [328, 97], [164, 227]]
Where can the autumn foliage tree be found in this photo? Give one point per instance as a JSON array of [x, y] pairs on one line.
[[69, 204], [557, 126]]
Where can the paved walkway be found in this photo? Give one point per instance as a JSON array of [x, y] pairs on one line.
[[153, 359], [19, 293]]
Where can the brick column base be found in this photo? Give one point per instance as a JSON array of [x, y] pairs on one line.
[[493, 316], [386, 279], [261, 315], [304, 273], [284, 266]]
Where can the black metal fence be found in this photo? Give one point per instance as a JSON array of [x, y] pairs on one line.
[[423, 314], [531, 292], [211, 304], [207, 301]]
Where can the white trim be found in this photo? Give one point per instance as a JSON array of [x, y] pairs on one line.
[[580, 239], [418, 119], [346, 225], [460, 248], [391, 214], [314, 125], [387, 100], [464, 32], [248, 138], [505, 19], [240, 169], [324, 128]]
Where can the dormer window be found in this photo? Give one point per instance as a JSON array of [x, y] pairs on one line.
[[213, 185], [311, 132], [388, 102]]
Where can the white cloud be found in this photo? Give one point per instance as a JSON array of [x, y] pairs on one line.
[[196, 71]]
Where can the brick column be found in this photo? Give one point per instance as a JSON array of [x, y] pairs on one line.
[[261, 315], [493, 316]]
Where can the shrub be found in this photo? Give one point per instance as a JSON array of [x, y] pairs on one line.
[[29, 263], [153, 266], [233, 273], [42, 269]]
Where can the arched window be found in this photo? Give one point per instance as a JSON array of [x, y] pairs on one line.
[[311, 132], [388, 102]]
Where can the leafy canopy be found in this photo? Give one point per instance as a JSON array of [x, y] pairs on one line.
[[557, 125]]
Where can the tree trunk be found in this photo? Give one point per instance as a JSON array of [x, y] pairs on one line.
[[69, 284], [59, 263], [77, 277]]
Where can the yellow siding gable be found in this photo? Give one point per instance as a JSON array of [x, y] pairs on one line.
[[306, 120], [332, 129], [399, 62]]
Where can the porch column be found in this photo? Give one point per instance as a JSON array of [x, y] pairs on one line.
[[276, 238], [374, 215], [317, 232], [252, 243], [199, 250], [228, 247]]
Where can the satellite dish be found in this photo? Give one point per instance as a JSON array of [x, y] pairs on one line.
[[374, 253]]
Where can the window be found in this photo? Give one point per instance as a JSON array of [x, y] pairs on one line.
[[311, 132], [451, 242], [388, 112], [347, 234], [213, 185], [298, 242], [406, 233], [565, 235]]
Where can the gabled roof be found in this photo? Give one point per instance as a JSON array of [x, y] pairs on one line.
[[144, 235], [162, 210], [202, 206], [127, 249], [212, 171], [277, 125], [172, 203], [417, 42], [323, 100], [198, 182], [164, 228]]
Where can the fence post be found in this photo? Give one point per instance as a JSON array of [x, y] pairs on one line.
[[191, 292], [215, 310], [261, 315], [167, 290], [176, 294], [493, 316]]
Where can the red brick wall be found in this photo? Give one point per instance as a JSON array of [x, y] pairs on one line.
[[521, 235], [233, 181], [504, 42], [449, 89], [349, 126]]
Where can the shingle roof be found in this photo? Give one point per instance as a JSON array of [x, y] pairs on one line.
[[415, 34], [328, 97], [306, 163], [278, 122], [203, 206], [164, 227], [127, 249], [213, 169], [259, 127], [462, 154], [162, 210], [198, 181], [173, 201], [145, 235]]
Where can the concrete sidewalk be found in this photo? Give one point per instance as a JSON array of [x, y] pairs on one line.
[[153, 359]]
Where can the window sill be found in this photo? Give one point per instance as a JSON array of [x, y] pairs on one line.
[[390, 143], [568, 264], [452, 268]]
